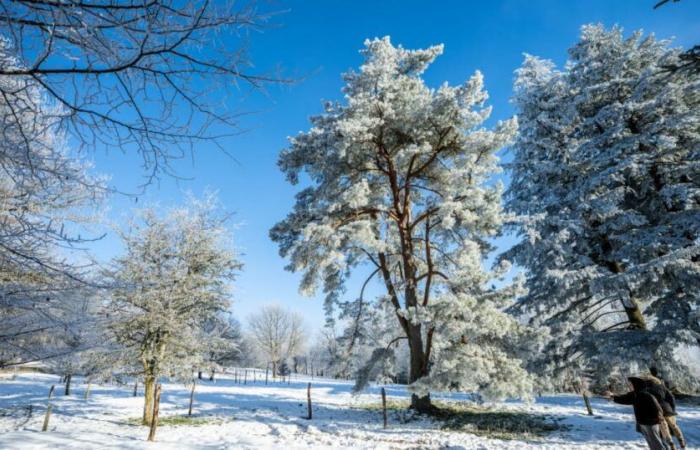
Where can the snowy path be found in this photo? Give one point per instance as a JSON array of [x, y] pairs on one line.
[[256, 416]]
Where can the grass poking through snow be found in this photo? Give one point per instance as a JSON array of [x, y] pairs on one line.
[[482, 421], [192, 421]]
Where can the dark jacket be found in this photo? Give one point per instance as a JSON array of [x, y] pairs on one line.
[[664, 397], [646, 407]]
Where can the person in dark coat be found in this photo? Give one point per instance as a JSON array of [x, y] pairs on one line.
[[655, 373], [658, 389], [648, 413]]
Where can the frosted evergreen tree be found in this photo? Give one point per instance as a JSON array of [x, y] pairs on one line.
[[399, 188], [171, 282], [606, 176]]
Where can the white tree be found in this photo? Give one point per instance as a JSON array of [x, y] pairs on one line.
[[47, 195], [278, 333], [400, 182], [606, 174], [173, 278]]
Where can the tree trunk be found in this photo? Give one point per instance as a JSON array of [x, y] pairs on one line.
[[634, 315], [68, 380], [199, 374], [419, 368], [149, 386], [274, 370], [154, 415], [211, 376]]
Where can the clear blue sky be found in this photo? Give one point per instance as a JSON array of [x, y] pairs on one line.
[[320, 40]]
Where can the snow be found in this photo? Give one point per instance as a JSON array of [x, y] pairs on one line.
[[256, 416]]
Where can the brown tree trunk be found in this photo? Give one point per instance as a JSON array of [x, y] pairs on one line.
[[154, 415], [631, 307], [274, 369], [419, 366], [634, 315], [149, 386]]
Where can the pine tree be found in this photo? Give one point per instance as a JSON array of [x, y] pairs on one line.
[[606, 176], [399, 182]]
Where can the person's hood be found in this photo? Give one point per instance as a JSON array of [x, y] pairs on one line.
[[638, 383]]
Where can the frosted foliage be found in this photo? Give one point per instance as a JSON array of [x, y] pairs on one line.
[[173, 280], [606, 178], [47, 196], [399, 182]]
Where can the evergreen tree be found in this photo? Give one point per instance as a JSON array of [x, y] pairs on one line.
[[399, 178], [606, 176]]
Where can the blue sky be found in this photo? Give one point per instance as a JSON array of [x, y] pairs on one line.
[[318, 40]]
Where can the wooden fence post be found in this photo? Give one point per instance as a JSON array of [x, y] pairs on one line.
[[69, 377], [308, 401], [45, 427], [154, 419], [587, 401], [194, 383], [384, 406]]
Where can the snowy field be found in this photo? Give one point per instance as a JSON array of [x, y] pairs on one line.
[[255, 416]]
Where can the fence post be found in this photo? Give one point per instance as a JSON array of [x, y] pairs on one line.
[[154, 419], [194, 383], [308, 401], [587, 401], [45, 427], [384, 405]]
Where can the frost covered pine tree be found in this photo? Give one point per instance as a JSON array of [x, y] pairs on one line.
[[399, 182], [172, 280], [606, 174]]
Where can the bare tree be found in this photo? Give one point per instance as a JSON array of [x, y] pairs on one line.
[[151, 74], [278, 333], [46, 195], [688, 61]]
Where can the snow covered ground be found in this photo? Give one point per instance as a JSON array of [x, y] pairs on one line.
[[255, 416]]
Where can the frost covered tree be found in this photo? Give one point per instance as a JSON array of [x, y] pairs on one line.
[[399, 188], [173, 278], [47, 196], [606, 174], [277, 333]]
